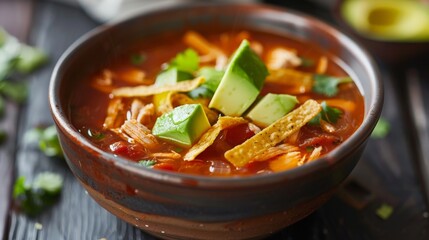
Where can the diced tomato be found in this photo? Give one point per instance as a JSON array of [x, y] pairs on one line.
[[165, 166], [238, 134], [128, 150]]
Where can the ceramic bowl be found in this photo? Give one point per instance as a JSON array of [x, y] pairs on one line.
[[179, 206]]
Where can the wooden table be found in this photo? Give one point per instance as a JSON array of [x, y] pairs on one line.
[[387, 172]]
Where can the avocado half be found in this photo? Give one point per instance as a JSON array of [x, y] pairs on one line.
[[388, 20]]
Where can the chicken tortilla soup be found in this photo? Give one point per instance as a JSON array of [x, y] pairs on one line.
[[221, 103]]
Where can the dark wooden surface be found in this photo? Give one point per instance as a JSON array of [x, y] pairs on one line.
[[385, 174]]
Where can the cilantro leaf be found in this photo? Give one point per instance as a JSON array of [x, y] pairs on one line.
[[306, 62], [47, 140], [208, 88], [35, 197], [147, 163], [187, 61], [30, 58], [381, 129], [137, 59], [2, 106], [3, 136], [95, 134], [328, 85], [15, 91], [49, 182], [201, 92], [328, 114]]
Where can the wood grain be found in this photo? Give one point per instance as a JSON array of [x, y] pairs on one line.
[[385, 170], [15, 18]]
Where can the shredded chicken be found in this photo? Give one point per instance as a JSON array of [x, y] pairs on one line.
[[104, 82], [315, 154], [144, 114], [280, 58], [116, 113], [327, 127], [140, 133]]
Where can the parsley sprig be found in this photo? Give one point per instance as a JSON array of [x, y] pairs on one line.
[[328, 85]]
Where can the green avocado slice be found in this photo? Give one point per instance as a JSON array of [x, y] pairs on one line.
[[182, 126], [271, 108], [399, 20], [241, 83]]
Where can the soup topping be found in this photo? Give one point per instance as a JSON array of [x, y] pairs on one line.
[[266, 108]]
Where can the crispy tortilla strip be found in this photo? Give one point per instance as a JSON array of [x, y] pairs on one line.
[[163, 102], [269, 137], [300, 81], [140, 133], [275, 151], [181, 99], [210, 52], [143, 91], [210, 136], [116, 114]]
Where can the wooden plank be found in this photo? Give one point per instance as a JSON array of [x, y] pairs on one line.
[[14, 18]]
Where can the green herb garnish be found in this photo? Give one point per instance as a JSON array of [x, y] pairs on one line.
[[47, 140], [15, 91], [212, 81], [35, 197], [138, 59], [147, 163], [328, 85], [187, 61], [95, 135], [328, 114], [306, 62], [381, 129], [384, 211], [17, 56], [2, 107], [3, 136]]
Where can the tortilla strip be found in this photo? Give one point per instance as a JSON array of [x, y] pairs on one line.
[[278, 131], [181, 99], [143, 91], [301, 81], [210, 136]]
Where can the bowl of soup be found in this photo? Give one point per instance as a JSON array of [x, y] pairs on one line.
[[214, 120]]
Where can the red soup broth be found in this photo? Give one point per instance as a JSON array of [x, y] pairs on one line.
[[144, 60]]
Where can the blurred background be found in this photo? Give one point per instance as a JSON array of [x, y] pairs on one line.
[[386, 197]]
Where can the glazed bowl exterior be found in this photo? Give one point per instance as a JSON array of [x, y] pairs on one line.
[[180, 206]]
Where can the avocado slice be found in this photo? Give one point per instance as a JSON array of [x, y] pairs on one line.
[[182, 126], [400, 20], [241, 83], [172, 76], [270, 108]]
